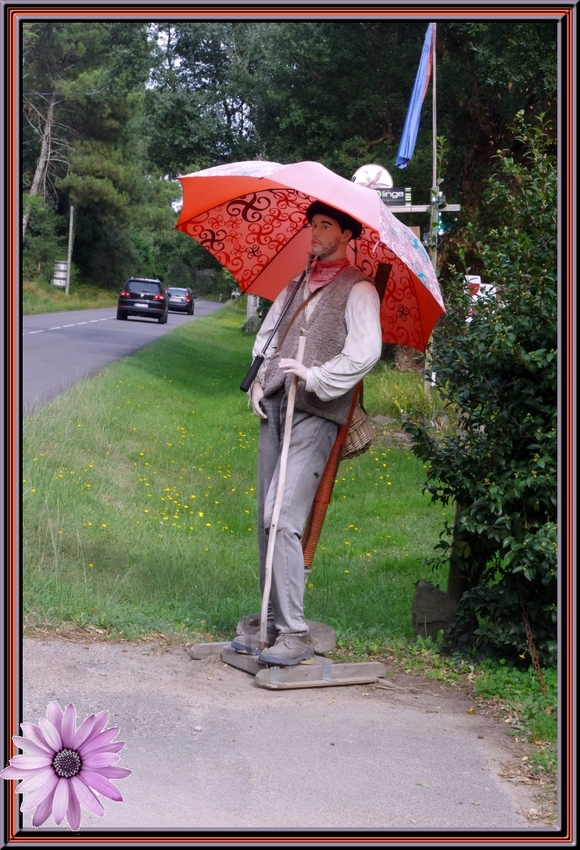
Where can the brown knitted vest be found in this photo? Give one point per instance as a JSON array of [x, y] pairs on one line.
[[326, 333]]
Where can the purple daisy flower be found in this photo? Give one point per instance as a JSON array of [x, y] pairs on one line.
[[64, 766]]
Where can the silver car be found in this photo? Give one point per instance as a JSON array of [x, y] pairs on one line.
[[180, 299]]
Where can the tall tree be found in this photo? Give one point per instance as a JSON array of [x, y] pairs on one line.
[[196, 111], [54, 56], [487, 72], [83, 148]]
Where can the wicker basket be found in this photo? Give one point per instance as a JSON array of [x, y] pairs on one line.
[[360, 434]]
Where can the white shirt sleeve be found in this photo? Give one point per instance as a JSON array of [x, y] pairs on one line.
[[362, 347]]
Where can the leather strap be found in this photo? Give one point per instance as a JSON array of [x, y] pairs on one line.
[[302, 306]]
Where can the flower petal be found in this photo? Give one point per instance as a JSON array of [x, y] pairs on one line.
[[83, 731], [30, 746], [30, 762], [43, 810], [96, 742], [35, 798], [60, 802], [38, 778], [35, 734], [112, 747], [68, 725], [54, 715], [51, 734], [16, 773], [73, 813], [101, 720], [99, 760], [86, 797], [101, 785], [112, 772]]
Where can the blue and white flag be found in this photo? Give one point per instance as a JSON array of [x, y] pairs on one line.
[[411, 128]]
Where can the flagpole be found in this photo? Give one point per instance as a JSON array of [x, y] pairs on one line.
[[434, 191]]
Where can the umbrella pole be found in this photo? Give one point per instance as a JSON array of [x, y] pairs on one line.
[[279, 497]]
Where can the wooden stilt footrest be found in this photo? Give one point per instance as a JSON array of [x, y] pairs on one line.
[[321, 674]]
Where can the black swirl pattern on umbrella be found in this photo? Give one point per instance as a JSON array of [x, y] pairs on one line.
[[366, 266], [249, 207], [402, 312], [292, 197], [253, 252], [212, 240]]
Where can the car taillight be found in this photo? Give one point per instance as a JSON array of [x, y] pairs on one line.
[[159, 298], [187, 298], [124, 293]]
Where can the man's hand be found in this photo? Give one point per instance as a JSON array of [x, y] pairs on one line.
[[293, 367], [256, 397]]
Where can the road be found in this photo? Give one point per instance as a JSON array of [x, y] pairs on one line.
[[59, 349], [210, 750]]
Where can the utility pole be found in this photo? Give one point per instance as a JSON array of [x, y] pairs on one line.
[[70, 242]]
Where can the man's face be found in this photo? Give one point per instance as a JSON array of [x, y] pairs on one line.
[[328, 240]]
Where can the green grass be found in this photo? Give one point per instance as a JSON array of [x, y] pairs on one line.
[[45, 298], [532, 709], [139, 503], [396, 394]]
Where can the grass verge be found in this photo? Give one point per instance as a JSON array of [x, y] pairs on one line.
[[139, 503], [40, 297]]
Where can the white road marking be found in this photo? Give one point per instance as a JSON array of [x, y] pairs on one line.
[[73, 325]]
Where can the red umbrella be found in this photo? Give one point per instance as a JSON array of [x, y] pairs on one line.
[[250, 217]]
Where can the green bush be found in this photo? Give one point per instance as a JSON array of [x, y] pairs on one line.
[[45, 242], [499, 371]]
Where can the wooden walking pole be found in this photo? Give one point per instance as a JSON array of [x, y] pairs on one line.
[[323, 494], [279, 497]]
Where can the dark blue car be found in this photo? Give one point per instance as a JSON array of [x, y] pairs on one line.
[[142, 296]]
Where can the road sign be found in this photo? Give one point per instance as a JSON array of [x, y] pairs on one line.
[[396, 196], [59, 277]]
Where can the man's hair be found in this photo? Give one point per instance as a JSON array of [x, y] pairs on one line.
[[345, 221]]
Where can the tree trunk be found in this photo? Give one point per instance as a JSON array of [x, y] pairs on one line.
[[407, 359], [43, 160], [457, 580]]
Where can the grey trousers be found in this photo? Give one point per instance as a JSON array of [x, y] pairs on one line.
[[311, 442]]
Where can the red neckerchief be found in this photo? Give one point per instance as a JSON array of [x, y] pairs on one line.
[[321, 273]]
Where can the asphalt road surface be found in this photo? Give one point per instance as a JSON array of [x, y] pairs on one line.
[[59, 349], [210, 750]]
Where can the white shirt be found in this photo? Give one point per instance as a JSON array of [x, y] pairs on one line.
[[362, 347]]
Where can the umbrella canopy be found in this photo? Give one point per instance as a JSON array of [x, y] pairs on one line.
[[250, 217]]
